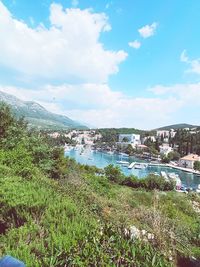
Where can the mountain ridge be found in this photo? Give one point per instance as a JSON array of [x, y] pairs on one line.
[[37, 116]]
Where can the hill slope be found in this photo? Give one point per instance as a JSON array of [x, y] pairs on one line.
[[38, 116], [177, 126]]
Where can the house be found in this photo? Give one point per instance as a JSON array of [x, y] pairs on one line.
[[162, 133], [166, 134], [165, 149], [150, 137], [141, 147], [188, 161], [132, 139]]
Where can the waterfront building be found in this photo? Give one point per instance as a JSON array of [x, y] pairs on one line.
[[165, 149], [132, 139], [188, 161]]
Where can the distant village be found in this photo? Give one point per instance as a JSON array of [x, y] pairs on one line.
[[135, 144]]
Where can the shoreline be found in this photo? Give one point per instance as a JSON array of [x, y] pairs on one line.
[[175, 167]]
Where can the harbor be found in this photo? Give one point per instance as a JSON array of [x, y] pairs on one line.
[[133, 165]]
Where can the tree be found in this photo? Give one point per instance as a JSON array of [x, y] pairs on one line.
[[130, 150], [12, 130], [174, 155], [125, 140], [113, 173], [197, 165], [6, 119]]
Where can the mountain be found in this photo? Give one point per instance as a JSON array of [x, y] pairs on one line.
[[37, 116], [178, 126]]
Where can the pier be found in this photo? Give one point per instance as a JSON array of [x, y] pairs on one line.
[[175, 167], [132, 165]]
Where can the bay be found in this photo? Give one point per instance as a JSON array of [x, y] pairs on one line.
[[101, 160]]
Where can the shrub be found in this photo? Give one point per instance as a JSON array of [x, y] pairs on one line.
[[113, 173], [151, 182]]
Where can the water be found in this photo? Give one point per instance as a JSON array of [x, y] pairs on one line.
[[101, 160]]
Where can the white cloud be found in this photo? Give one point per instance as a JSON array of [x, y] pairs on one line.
[[188, 94], [108, 5], [75, 3], [148, 30], [194, 65], [184, 57], [69, 49], [135, 44], [98, 105]]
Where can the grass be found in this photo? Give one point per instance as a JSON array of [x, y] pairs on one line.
[[81, 222]]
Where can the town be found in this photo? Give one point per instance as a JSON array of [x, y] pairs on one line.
[[176, 148]]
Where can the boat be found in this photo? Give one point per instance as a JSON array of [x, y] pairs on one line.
[[122, 162], [164, 175], [198, 189], [140, 166], [124, 154], [175, 177], [67, 148]]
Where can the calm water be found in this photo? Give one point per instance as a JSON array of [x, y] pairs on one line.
[[101, 160]]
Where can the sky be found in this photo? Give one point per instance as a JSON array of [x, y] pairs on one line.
[[122, 63]]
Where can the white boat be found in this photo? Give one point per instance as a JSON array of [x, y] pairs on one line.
[[122, 162], [67, 148], [140, 166], [198, 189], [175, 177], [164, 175], [110, 152], [124, 154], [156, 173]]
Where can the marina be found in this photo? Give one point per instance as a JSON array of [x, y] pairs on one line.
[[133, 165]]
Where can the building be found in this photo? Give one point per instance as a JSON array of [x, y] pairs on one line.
[[141, 147], [165, 149], [188, 161], [132, 139], [166, 134], [162, 133]]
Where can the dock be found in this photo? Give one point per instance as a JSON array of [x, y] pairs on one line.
[[175, 167], [132, 165]]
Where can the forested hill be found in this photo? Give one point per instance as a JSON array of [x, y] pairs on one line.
[[178, 126], [37, 116], [111, 135]]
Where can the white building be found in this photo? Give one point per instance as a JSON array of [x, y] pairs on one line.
[[151, 137], [188, 161], [163, 133], [133, 139], [165, 149]]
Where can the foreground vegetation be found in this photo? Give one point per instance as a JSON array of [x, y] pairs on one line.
[[55, 212]]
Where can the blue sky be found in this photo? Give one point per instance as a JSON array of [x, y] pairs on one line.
[[132, 63]]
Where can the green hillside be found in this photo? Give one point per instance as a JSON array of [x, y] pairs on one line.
[[55, 212]]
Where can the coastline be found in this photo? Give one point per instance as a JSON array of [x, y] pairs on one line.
[[175, 167]]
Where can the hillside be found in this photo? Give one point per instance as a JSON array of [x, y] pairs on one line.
[[178, 126], [55, 212], [37, 115]]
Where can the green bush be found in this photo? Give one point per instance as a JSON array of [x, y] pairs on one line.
[[113, 173], [151, 182]]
